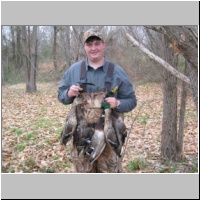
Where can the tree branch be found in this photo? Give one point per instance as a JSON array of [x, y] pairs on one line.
[[166, 65]]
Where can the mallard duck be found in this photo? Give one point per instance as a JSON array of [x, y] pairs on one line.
[[83, 134], [87, 113], [86, 136], [71, 122], [110, 134], [97, 144], [120, 128], [84, 139]]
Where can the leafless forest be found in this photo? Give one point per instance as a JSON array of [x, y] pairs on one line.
[[162, 62]]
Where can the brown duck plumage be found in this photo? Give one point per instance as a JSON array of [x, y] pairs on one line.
[[91, 141], [71, 122], [120, 128], [97, 143]]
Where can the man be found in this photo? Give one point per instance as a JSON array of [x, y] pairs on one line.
[[97, 72]]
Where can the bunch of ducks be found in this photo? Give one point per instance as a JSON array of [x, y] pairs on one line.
[[93, 124]]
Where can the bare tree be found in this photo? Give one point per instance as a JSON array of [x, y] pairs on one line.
[[169, 121], [77, 42], [163, 63], [184, 40], [55, 48], [68, 46], [171, 139], [2, 69], [14, 57], [25, 55], [182, 118], [18, 50], [29, 46], [65, 45], [33, 87], [5, 56]]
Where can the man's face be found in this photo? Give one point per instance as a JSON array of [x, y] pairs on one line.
[[94, 50]]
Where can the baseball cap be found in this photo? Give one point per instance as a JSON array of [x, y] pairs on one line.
[[92, 32]]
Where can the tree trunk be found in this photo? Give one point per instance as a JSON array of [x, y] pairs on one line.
[[65, 33], [55, 48], [33, 60], [14, 57], [186, 40], [169, 122], [78, 52], [181, 119], [18, 51], [68, 50], [193, 74], [25, 55], [2, 75], [6, 63], [29, 48]]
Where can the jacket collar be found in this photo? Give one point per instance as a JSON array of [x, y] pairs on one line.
[[105, 65]]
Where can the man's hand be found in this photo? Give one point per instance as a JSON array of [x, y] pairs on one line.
[[73, 91], [112, 101]]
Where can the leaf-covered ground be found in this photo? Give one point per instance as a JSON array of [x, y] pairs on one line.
[[31, 126]]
